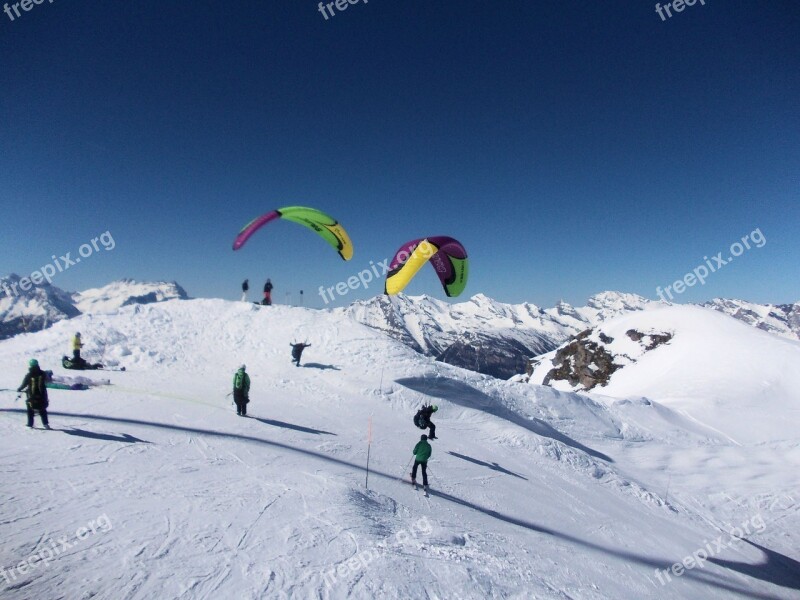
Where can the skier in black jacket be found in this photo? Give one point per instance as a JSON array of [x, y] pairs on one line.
[[245, 288], [423, 419], [34, 387]]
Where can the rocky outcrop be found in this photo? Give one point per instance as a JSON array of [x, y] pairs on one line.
[[588, 361], [583, 363]]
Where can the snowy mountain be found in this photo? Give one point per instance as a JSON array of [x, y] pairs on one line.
[[679, 354], [32, 309], [780, 319], [42, 305], [156, 489], [482, 334], [124, 293]]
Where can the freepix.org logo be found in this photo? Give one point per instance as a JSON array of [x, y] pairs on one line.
[[13, 10]]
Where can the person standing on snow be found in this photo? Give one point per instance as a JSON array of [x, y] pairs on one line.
[[241, 391], [267, 293], [422, 452], [77, 344], [34, 387], [245, 287], [297, 352]]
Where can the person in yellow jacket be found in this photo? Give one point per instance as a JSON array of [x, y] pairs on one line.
[[77, 344]]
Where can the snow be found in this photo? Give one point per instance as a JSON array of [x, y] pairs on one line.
[[535, 493]]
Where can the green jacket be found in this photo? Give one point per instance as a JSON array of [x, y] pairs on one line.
[[241, 382], [422, 451]]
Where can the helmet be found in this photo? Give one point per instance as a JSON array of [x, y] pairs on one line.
[[33, 363], [243, 368], [435, 408], [423, 437], [77, 334]]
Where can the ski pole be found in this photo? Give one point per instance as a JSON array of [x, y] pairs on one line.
[[405, 469]]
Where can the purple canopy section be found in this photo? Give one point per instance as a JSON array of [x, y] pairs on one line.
[[446, 247], [254, 226]]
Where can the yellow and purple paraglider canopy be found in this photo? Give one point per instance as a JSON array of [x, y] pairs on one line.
[[326, 226], [447, 255]]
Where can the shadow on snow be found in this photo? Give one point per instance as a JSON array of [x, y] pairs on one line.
[[777, 569], [492, 466], [467, 396]]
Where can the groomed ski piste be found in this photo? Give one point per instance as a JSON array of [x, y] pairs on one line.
[[153, 487]]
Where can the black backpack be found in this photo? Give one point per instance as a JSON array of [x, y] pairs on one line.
[[38, 390], [420, 420]]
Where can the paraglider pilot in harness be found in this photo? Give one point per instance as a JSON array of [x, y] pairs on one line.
[[241, 391], [297, 352], [423, 419], [34, 387]]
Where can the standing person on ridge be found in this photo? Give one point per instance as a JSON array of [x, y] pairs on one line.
[[34, 387], [422, 452], [267, 301], [297, 352], [241, 391], [245, 287]]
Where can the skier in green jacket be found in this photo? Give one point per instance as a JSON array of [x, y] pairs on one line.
[[241, 391], [422, 452]]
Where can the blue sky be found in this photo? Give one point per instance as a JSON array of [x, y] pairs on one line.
[[572, 147]]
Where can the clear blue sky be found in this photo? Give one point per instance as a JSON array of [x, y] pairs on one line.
[[571, 146]]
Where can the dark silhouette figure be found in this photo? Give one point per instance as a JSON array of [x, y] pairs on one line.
[[267, 293], [245, 288], [297, 352]]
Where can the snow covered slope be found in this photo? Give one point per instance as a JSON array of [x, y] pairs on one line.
[[158, 490], [125, 292], [738, 379]]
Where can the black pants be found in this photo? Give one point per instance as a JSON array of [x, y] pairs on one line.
[[76, 354], [42, 414], [432, 429], [424, 466], [241, 403]]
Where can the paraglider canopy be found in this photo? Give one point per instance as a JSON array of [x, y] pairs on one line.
[[326, 226], [447, 255]]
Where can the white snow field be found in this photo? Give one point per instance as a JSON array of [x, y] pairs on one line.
[[153, 487]]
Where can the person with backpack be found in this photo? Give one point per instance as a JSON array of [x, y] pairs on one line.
[[422, 452], [34, 385], [423, 419], [245, 288], [297, 352], [267, 293], [241, 391]]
